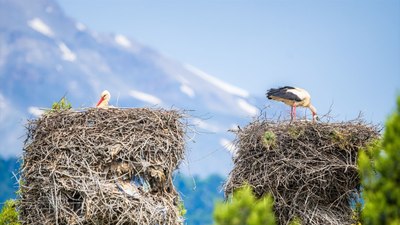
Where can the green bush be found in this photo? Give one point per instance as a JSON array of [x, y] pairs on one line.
[[245, 208], [379, 166], [9, 214]]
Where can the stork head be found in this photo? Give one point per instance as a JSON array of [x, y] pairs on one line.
[[315, 117], [104, 98]]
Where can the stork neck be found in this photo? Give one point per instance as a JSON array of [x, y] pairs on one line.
[[313, 109]]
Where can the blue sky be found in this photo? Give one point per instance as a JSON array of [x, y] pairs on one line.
[[345, 52]]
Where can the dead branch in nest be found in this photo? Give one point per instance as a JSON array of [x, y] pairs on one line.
[[309, 168], [102, 166]]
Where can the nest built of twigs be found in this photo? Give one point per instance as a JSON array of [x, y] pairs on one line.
[[102, 166], [309, 168]]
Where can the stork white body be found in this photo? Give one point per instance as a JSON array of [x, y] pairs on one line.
[[104, 99], [294, 97]]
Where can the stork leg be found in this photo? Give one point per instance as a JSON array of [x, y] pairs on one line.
[[294, 111], [291, 113]]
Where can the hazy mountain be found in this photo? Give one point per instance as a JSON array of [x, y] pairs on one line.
[[45, 54]]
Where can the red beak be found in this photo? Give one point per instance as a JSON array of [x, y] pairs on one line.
[[100, 101]]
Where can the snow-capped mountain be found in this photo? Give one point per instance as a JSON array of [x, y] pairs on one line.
[[44, 54]]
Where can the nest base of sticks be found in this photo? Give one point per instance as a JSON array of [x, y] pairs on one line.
[[309, 168], [102, 166]]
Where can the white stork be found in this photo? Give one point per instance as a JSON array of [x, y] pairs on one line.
[[294, 97], [104, 99]]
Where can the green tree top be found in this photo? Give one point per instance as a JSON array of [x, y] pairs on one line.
[[380, 173], [245, 209]]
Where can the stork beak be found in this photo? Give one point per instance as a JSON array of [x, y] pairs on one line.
[[100, 101]]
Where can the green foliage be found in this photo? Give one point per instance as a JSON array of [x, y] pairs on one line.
[[269, 139], [245, 208], [9, 214], [182, 210], [61, 105], [295, 132], [295, 221], [357, 212], [380, 173], [339, 138]]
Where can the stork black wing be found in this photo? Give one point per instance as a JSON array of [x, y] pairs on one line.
[[287, 87], [283, 93]]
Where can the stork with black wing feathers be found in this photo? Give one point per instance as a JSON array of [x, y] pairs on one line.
[[294, 97]]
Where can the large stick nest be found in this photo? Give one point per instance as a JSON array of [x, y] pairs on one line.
[[309, 168], [102, 166]]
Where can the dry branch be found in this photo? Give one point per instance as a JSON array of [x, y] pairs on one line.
[[309, 168], [102, 166]]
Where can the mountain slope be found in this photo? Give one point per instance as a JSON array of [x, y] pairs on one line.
[[45, 54]]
